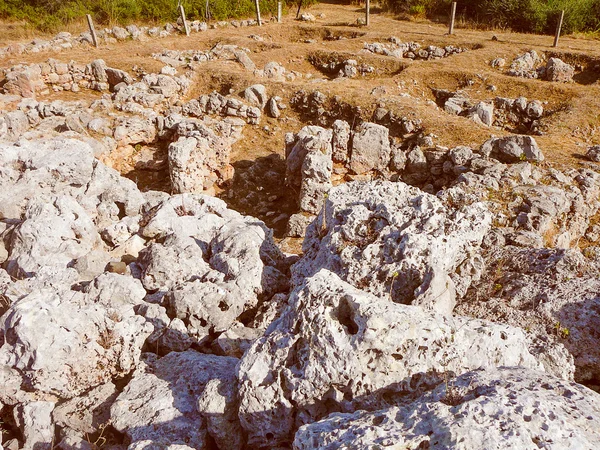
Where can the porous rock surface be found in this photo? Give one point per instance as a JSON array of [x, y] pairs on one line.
[[535, 410], [396, 241], [336, 348], [179, 400], [92, 275]]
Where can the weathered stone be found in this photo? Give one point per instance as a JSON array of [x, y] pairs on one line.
[[273, 108], [370, 148], [298, 223], [35, 421], [557, 70], [88, 413], [466, 410], [336, 348], [67, 344], [340, 140], [161, 402], [511, 149], [397, 241], [524, 65], [256, 95], [116, 76], [593, 153], [483, 112]]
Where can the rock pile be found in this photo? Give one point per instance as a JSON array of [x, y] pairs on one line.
[[65, 41], [171, 320], [529, 65], [517, 115], [96, 272], [37, 79], [318, 158], [411, 50]]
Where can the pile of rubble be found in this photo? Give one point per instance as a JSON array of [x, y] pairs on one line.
[[530, 65], [411, 50], [517, 115]]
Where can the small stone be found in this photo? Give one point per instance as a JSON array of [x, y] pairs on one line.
[[117, 267]]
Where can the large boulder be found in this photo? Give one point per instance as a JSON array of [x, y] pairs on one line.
[[33, 168], [465, 412], [558, 70], [213, 264], [64, 344], [370, 148], [396, 241], [179, 400], [551, 292], [54, 232], [512, 149], [335, 348]]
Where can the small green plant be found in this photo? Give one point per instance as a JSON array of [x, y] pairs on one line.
[[561, 332], [523, 157], [497, 287]]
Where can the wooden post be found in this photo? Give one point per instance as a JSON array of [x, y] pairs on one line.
[[92, 30], [452, 15], [278, 12], [185, 25], [367, 12], [298, 12], [207, 11], [558, 27], [257, 13]]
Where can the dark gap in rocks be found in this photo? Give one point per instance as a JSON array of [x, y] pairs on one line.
[[346, 316]]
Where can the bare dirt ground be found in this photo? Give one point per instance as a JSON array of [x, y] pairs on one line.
[[404, 87]]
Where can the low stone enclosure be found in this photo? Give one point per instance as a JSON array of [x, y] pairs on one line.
[[443, 296]]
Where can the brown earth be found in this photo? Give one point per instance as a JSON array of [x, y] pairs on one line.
[[573, 125]]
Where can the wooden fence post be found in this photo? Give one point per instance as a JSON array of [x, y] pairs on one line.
[[367, 12], [558, 27], [278, 12], [92, 30], [298, 12], [257, 13], [185, 25], [452, 15]]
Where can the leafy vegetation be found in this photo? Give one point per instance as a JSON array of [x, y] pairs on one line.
[[50, 15], [538, 16]]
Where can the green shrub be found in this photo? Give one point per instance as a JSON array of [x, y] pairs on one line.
[[537, 16], [50, 15]]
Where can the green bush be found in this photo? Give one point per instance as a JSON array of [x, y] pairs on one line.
[[537, 16], [50, 15]]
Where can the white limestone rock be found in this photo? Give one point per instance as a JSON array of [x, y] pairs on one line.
[[505, 408], [256, 95], [64, 344], [512, 149], [335, 348], [165, 401], [35, 421], [396, 241], [54, 232], [88, 413], [551, 292], [370, 148]]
